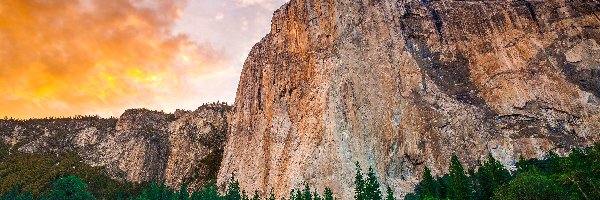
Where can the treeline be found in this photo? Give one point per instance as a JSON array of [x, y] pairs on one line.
[[37, 174], [76, 117], [26, 176], [576, 176], [210, 192], [73, 188]]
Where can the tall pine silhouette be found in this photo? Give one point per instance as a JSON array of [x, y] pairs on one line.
[[459, 186], [359, 184], [372, 191]]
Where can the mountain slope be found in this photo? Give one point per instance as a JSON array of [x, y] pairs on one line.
[[399, 85], [140, 146]]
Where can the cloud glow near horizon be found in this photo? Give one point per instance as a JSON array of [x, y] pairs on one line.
[[88, 57]]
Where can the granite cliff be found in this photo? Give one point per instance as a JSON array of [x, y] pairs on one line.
[[140, 146], [399, 85]]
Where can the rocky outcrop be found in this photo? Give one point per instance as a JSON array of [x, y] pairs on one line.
[[139, 146], [399, 85]]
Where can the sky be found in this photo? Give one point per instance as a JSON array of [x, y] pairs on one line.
[[101, 57]]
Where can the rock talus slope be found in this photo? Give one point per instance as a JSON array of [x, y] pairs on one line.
[[399, 85], [140, 146]]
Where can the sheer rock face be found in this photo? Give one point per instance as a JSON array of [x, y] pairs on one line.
[[141, 145], [399, 85]]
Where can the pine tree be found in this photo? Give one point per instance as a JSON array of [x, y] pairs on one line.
[[523, 165], [499, 174], [372, 191], [233, 189], [459, 187], [359, 182], [70, 188], [183, 193], [390, 194], [210, 192], [306, 192], [429, 185], [328, 194], [15, 194], [299, 195], [316, 195]]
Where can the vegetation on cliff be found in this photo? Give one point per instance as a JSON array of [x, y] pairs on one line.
[[25, 176], [36, 173], [576, 176]]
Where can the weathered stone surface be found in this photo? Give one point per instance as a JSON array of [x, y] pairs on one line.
[[139, 146], [399, 85]]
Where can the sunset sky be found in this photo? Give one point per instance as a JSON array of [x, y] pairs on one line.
[[87, 57]]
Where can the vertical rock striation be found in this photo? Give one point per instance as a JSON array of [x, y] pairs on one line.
[[139, 146], [399, 85]]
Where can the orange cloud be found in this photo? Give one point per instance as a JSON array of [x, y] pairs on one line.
[[68, 57]]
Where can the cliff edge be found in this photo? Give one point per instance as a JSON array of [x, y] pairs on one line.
[[399, 85]]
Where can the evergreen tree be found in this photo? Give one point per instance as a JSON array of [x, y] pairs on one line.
[[328, 194], [15, 194], [299, 195], [372, 191], [70, 188], [316, 196], [359, 182], [390, 194], [183, 193], [210, 192], [530, 185], [523, 165], [195, 196], [306, 192], [429, 185], [233, 189], [459, 187], [489, 177]]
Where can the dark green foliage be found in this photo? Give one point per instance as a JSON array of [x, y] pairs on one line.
[[306, 195], [372, 191], [459, 187], [316, 196], [70, 188], [328, 194], [368, 189], [233, 189], [36, 174], [183, 193], [389, 194], [209, 192], [576, 176], [16, 194], [25, 176], [157, 192], [429, 185], [359, 184], [530, 185], [489, 177]]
